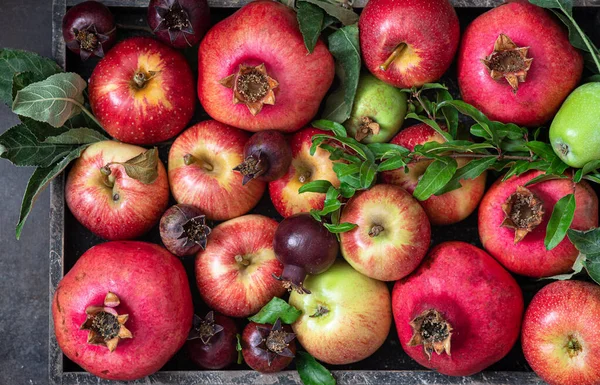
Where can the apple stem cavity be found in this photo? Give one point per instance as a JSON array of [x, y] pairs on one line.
[[431, 330], [141, 78], [253, 166], [242, 260], [523, 212], [395, 55], [304, 177], [375, 231], [573, 346], [321, 311]]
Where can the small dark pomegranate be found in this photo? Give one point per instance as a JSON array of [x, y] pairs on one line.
[[268, 348], [180, 23], [267, 157], [183, 230], [89, 29], [304, 246], [212, 341]]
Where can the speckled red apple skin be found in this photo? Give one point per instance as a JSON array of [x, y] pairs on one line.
[[529, 257], [445, 209], [156, 113], [561, 309], [139, 206], [482, 302], [266, 32], [153, 289], [554, 73], [429, 27], [224, 284]]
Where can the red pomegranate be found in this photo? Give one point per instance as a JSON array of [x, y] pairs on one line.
[[445, 209], [513, 220], [561, 338], [515, 64], [459, 312], [123, 310], [254, 72]]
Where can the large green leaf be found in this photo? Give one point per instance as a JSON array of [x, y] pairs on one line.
[[274, 310], [13, 61], [333, 8], [471, 170], [311, 372], [587, 242], [437, 175], [344, 46], [310, 20], [53, 100], [38, 182], [560, 221]]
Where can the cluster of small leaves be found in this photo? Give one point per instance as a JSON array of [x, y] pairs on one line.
[[52, 132], [310, 371]]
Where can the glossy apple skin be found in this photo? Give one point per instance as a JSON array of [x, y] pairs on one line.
[[359, 317], [210, 184], [220, 352], [429, 28], [549, 81], [149, 115], [561, 310], [284, 191], [264, 32], [399, 248], [482, 302], [257, 358], [228, 286], [445, 209], [577, 125], [139, 206], [153, 288], [529, 257]]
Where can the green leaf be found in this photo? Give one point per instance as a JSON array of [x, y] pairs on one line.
[[344, 46], [53, 100], [590, 167], [560, 221], [22, 80], [471, 170], [587, 242], [81, 135], [238, 347], [544, 178], [433, 86], [340, 228], [386, 150], [333, 8], [330, 206], [593, 178], [14, 61], [478, 116], [577, 268], [437, 175], [431, 123], [311, 372], [276, 309], [543, 150], [310, 20], [557, 166], [361, 149], [592, 79], [316, 215], [346, 190], [328, 125], [38, 182], [316, 186], [392, 163], [143, 167], [566, 5], [592, 265], [450, 114], [20, 146], [368, 170]]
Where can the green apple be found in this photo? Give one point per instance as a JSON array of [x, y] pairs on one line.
[[575, 130], [346, 318], [378, 112]]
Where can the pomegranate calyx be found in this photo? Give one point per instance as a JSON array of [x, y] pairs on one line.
[[104, 325], [275, 341], [204, 328], [174, 19], [367, 127], [292, 278], [252, 167], [89, 41], [195, 231], [251, 86], [431, 330], [508, 61], [523, 211]]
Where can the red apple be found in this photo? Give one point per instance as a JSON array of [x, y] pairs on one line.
[[304, 169], [254, 71], [142, 92], [561, 338], [445, 209], [346, 318], [114, 206], [201, 163], [392, 236], [235, 272], [408, 43]]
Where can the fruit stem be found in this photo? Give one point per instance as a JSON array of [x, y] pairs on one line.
[[321, 311], [109, 181], [242, 260], [304, 177], [375, 231], [395, 54], [189, 159]]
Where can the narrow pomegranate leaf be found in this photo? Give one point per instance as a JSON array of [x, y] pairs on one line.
[[437, 175], [471, 170], [276, 309], [310, 20], [478, 116], [593, 178], [431, 123], [544, 178], [387, 150], [328, 125], [392, 163], [316, 186], [368, 171], [311, 372], [450, 114], [339, 228], [560, 221]]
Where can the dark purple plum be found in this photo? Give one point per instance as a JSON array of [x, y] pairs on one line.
[[183, 230], [89, 29], [179, 23], [267, 157], [212, 341], [304, 246], [268, 348]]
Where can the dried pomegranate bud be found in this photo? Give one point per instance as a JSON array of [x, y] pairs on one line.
[[252, 86], [508, 61], [106, 327], [431, 330], [524, 212]]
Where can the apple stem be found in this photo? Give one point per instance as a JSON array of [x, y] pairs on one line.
[[242, 260], [395, 54], [321, 311], [106, 176], [375, 231], [304, 177]]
